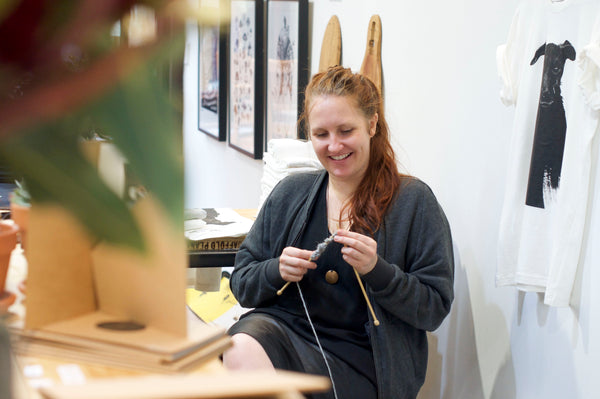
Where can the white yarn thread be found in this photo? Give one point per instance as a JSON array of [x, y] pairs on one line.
[[317, 338]]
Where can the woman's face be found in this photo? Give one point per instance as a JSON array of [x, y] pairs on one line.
[[341, 137]]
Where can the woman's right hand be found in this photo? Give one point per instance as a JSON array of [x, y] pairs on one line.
[[294, 263]]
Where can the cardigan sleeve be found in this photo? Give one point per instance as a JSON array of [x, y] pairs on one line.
[[416, 261], [256, 277]]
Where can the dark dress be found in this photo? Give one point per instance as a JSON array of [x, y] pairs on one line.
[[339, 315]]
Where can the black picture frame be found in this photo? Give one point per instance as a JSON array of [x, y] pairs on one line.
[[246, 69], [287, 67], [212, 74]]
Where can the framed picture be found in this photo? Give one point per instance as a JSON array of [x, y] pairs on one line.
[[287, 67], [246, 60], [212, 74]]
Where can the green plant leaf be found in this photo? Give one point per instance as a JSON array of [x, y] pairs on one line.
[[144, 126], [96, 92], [55, 170]]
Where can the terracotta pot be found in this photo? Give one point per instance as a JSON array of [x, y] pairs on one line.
[[8, 242], [20, 215]]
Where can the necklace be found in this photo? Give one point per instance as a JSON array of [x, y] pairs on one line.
[[336, 221]]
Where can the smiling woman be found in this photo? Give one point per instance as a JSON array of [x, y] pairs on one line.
[[348, 109], [391, 234], [341, 137]]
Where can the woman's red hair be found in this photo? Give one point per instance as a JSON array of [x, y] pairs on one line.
[[372, 198]]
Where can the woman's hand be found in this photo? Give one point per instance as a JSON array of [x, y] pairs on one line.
[[294, 263], [359, 251]]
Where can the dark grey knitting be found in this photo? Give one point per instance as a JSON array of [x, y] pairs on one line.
[[321, 248]]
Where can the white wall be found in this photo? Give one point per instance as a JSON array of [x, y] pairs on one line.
[[451, 130], [216, 175]]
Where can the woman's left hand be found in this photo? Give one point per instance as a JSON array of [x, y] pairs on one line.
[[359, 251]]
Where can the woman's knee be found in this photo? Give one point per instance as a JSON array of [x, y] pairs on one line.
[[246, 353]]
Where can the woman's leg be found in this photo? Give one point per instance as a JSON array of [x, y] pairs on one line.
[[246, 354]]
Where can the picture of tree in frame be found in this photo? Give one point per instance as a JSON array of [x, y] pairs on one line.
[[212, 75], [287, 67], [246, 59]]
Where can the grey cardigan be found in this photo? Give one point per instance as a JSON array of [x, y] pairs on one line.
[[410, 288]]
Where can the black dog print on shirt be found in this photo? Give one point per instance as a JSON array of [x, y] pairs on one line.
[[550, 125]]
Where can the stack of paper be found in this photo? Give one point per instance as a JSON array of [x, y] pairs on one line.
[[83, 339], [215, 229]]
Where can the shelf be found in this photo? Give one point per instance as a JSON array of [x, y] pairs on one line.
[[211, 258]]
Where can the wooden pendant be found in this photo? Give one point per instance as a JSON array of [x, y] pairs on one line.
[[332, 277]]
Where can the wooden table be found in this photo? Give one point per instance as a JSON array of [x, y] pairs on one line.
[[31, 373], [81, 381]]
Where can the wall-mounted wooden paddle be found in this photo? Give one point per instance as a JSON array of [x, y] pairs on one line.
[[331, 49], [371, 65]]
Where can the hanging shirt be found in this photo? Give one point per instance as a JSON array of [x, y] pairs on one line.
[[549, 68]]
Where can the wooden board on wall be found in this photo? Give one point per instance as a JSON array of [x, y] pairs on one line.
[[331, 49]]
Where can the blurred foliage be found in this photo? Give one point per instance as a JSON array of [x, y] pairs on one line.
[[20, 195], [63, 77]]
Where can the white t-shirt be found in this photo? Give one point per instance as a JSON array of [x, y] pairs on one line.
[[552, 54]]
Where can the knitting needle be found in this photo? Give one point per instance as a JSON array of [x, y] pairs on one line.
[[362, 288], [375, 321], [280, 291], [320, 249]]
